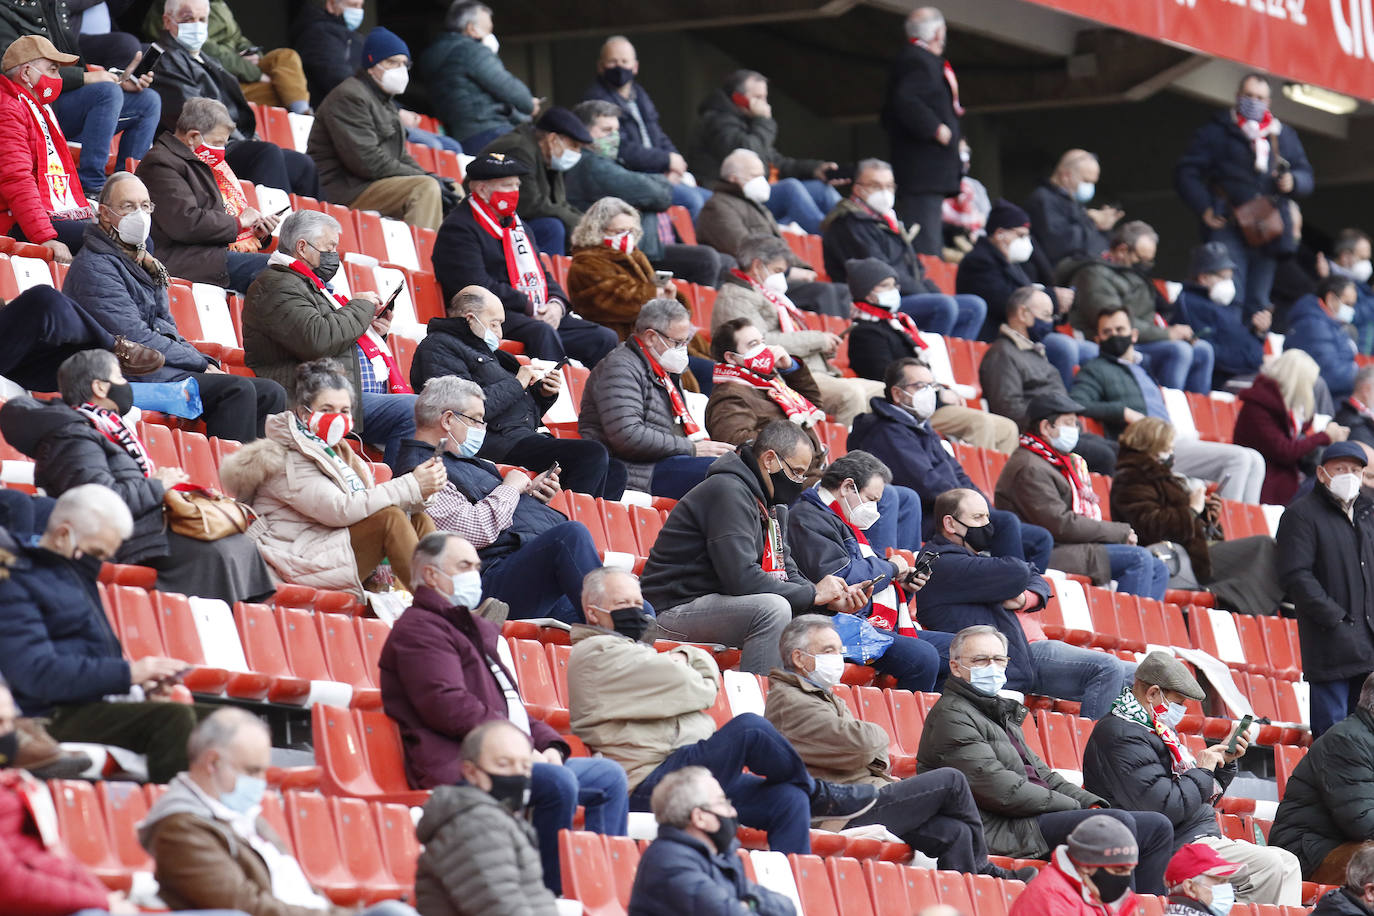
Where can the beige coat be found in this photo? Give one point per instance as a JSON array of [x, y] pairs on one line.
[[736, 300], [833, 744], [636, 705], [304, 506]]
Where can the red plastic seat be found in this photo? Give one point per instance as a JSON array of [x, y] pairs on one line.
[[1252, 641], [136, 622], [381, 742], [346, 661], [124, 806], [908, 717], [558, 664], [851, 891], [587, 873], [1281, 646], [1286, 757], [424, 245], [536, 685], [396, 832], [301, 640], [989, 895], [920, 887], [372, 634], [317, 849], [886, 888], [339, 752], [682, 224], [370, 234], [361, 850], [623, 855], [160, 444], [262, 647], [873, 708], [813, 885], [273, 812], [182, 640], [955, 891], [197, 459], [620, 530], [647, 524], [82, 827], [1060, 735]]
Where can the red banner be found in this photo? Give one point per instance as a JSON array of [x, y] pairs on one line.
[[1327, 43]]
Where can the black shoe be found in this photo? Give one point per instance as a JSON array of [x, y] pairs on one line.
[[1009, 874], [833, 801]]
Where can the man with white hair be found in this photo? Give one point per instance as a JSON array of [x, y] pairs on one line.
[[61, 655]]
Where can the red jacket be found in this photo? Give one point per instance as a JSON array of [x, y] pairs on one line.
[[22, 150], [1057, 891], [1264, 425], [34, 881]]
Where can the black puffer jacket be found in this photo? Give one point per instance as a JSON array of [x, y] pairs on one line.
[[1340, 902]]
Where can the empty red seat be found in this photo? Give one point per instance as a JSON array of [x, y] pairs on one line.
[[847, 882], [262, 647], [82, 827], [381, 742], [317, 848], [304, 652], [400, 848], [558, 665], [886, 888], [160, 444], [587, 873], [873, 708], [339, 752], [346, 661], [648, 522], [955, 891], [361, 850], [183, 641], [124, 805], [620, 530], [920, 887], [623, 855], [813, 885], [536, 683]]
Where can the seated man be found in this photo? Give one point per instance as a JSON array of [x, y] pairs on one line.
[[482, 242], [203, 227], [1089, 875], [359, 143], [967, 588], [466, 344], [1317, 326], [1198, 881], [1116, 389], [292, 316], [548, 147], [720, 570], [864, 225], [1356, 412], [442, 676], [933, 813], [477, 851], [1350, 257], [634, 404], [533, 558], [647, 711], [329, 44], [1136, 760], [1209, 305], [59, 652], [1062, 223], [1355, 896], [1120, 279], [901, 433], [210, 844], [1028, 809], [1046, 484]]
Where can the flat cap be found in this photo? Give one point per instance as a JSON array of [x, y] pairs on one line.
[[558, 120], [1161, 669], [1053, 404], [1346, 449]]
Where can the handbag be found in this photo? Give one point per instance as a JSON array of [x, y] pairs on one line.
[[1258, 220], [204, 515]]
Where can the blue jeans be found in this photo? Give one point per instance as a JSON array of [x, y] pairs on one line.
[[674, 476], [1254, 271], [804, 202], [550, 235], [1137, 571], [691, 198], [544, 577], [93, 114], [1179, 364], [899, 521], [775, 795], [1154, 835], [1022, 540], [433, 141], [555, 792], [1067, 353], [387, 419], [244, 267], [948, 316], [477, 142], [917, 664], [1332, 701], [1068, 672]]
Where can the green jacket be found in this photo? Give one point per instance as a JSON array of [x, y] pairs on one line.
[[970, 732], [1100, 284], [541, 192], [1106, 388], [225, 43], [357, 139]]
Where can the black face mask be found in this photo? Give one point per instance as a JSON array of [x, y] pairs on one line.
[[978, 539], [631, 622], [1115, 347], [89, 565], [785, 489], [1110, 887], [724, 834], [511, 791], [1144, 268], [329, 266], [1038, 331], [9, 749], [615, 77], [123, 397]]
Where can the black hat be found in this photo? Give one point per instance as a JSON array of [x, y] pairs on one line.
[[1345, 449], [1054, 404], [495, 165], [864, 274], [1209, 258], [559, 120], [1006, 215]]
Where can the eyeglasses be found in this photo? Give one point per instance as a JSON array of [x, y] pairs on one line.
[[673, 341], [792, 473], [471, 421], [131, 207], [916, 386], [980, 661]]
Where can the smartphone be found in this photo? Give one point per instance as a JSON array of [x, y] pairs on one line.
[[149, 60], [249, 52], [840, 173], [391, 301], [924, 563], [174, 678], [663, 277], [877, 583], [1219, 485], [441, 448], [1240, 730], [282, 210]]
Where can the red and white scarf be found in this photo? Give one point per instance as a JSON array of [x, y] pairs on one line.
[[774, 559], [522, 260], [890, 611], [1075, 471], [949, 75], [58, 184], [684, 416], [235, 201], [790, 318], [899, 321], [111, 425], [1258, 133], [797, 408]]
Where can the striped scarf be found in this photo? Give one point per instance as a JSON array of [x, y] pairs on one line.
[[111, 425]]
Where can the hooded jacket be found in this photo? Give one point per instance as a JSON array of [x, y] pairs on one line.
[[1147, 496], [1061, 226], [330, 51], [834, 745], [854, 230], [191, 229], [679, 874], [1264, 425], [480, 94], [357, 139], [723, 127], [1323, 338], [35, 880]]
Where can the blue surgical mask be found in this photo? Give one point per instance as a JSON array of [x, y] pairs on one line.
[[1172, 715], [1066, 440], [467, 589], [246, 795], [566, 160], [192, 35], [988, 679], [1223, 898], [488, 335], [470, 446], [353, 17], [1084, 192]]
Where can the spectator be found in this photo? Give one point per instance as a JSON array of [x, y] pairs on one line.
[[756, 292], [1326, 573], [1135, 760], [1091, 874], [1115, 389], [1357, 411], [634, 403], [60, 653], [1046, 484], [1317, 326], [1350, 257], [738, 116], [1121, 279], [518, 395], [1063, 225], [647, 711], [100, 44], [1356, 895], [183, 73], [124, 288], [1209, 306], [533, 558], [1276, 420], [1323, 818], [1241, 155], [322, 519], [330, 47], [1151, 494], [482, 99], [1027, 808], [210, 844], [478, 852], [359, 142], [85, 440], [548, 148], [610, 278], [291, 316], [482, 242], [205, 230], [825, 529], [1016, 369], [863, 225], [1197, 881], [442, 677], [921, 113], [719, 570], [900, 432], [965, 216], [967, 589]]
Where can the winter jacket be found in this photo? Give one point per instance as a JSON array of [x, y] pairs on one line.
[[1359, 422], [626, 409], [480, 94], [225, 42], [543, 192], [1238, 349], [609, 286], [1264, 425], [1323, 338], [737, 299], [476, 858], [191, 229], [304, 504], [986, 273], [1131, 767], [875, 345], [736, 413], [1147, 496], [23, 164], [823, 545], [1218, 168], [1326, 566], [713, 540], [57, 647], [465, 254], [68, 452], [35, 880], [1101, 284], [723, 127], [177, 76], [973, 733], [1330, 795], [728, 218], [53, 20], [1035, 490], [1340, 902], [1058, 891], [634, 704], [679, 876], [1061, 227], [834, 745], [1106, 387], [330, 51], [358, 139], [637, 151], [853, 230], [916, 101], [1013, 372], [597, 176]]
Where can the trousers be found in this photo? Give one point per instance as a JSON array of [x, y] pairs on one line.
[[595, 783], [586, 466], [933, 813], [413, 198], [287, 88], [389, 534], [544, 577], [1068, 672], [1137, 571], [751, 623], [1154, 834], [923, 210], [1215, 460], [157, 730], [583, 340], [235, 407], [265, 163], [39, 329]]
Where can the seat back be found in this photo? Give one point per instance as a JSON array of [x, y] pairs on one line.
[[342, 651], [813, 886], [261, 640], [851, 891], [587, 873], [197, 458], [400, 244], [212, 311], [218, 636], [317, 846], [886, 887], [622, 853], [138, 629], [773, 871], [360, 847], [381, 740], [400, 848], [339, 753], [81, 824], [125, 805], [532, 671], [742, 692]]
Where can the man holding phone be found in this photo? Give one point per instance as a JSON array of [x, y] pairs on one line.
[[1136, 760]]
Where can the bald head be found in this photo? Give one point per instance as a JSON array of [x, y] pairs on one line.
[[1076, 166]]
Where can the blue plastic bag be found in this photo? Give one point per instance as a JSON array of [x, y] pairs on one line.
[[180, 399], [863, 642]]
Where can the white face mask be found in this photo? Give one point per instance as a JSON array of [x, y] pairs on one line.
[[1345, 313], [192, 35], [395, 80], [491, 43], [922, 403], [133, 228], [1345, 487], [757, 189], [1223, 292], [890, 299], [673, 359], [1362, 270], [862, 513], [882, 201], [1019, 251], [776, 282], [829, 669], [566, 160]]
